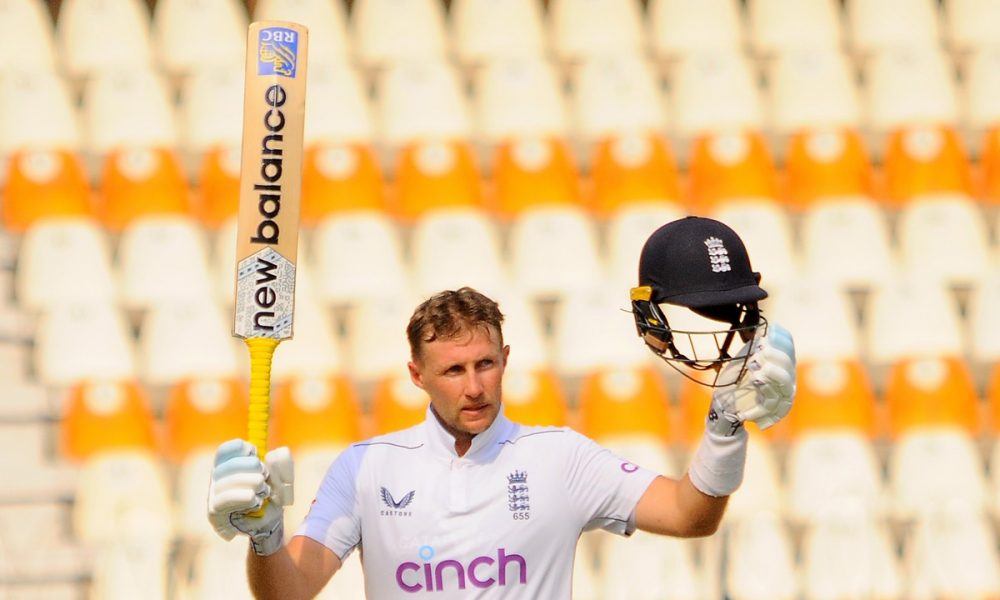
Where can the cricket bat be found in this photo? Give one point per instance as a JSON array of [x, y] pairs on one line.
[[270, 188]]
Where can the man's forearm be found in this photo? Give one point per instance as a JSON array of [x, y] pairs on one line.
[[275, 576]]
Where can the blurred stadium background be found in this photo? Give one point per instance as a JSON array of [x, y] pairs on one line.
[[527, 149]]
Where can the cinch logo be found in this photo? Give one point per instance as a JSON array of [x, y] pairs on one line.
[[482, 572]]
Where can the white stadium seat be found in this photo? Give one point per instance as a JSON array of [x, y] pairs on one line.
[[339, 110], [190, 35], [206, 118], [892, 79], [27, 37], [810, 88], [128, 107], [484, 31], [877, 25], [967, 24], [453, 248], [779, 26], [37, 111], [679, 28], [329, 38], [888, 333], [389, 31], [820, 316], [846, 241], [82, 343], [95, 36], [185, 340], [617, 94], [596, 27], [944, 237], [421, 100], [517, 97], [163, 259], [716, 91]]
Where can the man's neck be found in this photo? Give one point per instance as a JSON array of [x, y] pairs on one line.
[[463, 440]]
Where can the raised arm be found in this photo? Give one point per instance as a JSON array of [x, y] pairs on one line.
[[239, 487], [694, 505]]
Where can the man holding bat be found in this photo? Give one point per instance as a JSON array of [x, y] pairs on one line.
[[469, 504]]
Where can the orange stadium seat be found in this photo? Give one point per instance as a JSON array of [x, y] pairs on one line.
[[42, 184], [931, 392], [106, 416], [436, 175], [993, 398], [625, 403], [141, 182], [397, 403], [528, 173], [925, 160], [310, 411], [825, 164], [989, 165], [218, 190], [201, 414], [833, 395], [729, 167], [338, 178], [534, 397], [633, 169]]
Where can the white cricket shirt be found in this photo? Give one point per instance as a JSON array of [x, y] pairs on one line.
[[500, 522]]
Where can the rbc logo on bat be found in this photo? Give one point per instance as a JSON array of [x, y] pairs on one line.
[[277, 51]]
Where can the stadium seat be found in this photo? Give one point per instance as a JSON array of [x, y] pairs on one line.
[[316, 417], [28, 37], [387, 32], [966, 24], [199, 415], [524, 331], [534, 172], [484, 31], [602, 27], [187, 338], [983, 321], [142, 183], [396, 402], [43, 185], [850, 555], [345, 115], [811, 88], [340, 179], [832, 464], [980, 85], [888, 331], [218, 571], [779, 26], [627, 231], [826, 163], [85, 46], [616, 94], [218, 188], [188, 36], [989, 165], [818, 313], [78, 343], [421, 100], [760, 559], [359, 256], [63, 262], [518, 97], [908, 86], [594, 329], [730, 166], [105, 416], [451, 248], [376, 336], [127, 108], [944, 237], [436, 175], [207, 119], [951, 555], [934, 460], [38, 550], [37, 111], [714, 92], [678, 28], [626, 404], [534, 396], [163, 260], [329, 40], [314, 349], [925, 160], [631, 170], [878, 25]]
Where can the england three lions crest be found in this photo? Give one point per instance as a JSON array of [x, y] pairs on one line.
[[518, 500]]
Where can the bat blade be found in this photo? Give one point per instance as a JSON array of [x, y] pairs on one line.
[[270, 179]]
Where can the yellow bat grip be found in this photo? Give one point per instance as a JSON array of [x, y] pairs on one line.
[[261, 353]]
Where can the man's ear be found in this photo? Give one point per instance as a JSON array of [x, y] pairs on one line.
[[415, 376], [506, 355]]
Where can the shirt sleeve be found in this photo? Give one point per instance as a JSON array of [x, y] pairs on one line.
[[333, 519], [604, 486]]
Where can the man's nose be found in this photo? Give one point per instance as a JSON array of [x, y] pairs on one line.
[[474, 385]]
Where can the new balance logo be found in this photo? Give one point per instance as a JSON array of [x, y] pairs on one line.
[[718, 255]]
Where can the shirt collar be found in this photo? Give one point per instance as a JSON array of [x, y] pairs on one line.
[[484, 445]]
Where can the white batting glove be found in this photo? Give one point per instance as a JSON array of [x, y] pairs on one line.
[[240, 484], [764, 395]]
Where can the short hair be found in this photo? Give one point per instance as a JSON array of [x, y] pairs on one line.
[[450, 313]]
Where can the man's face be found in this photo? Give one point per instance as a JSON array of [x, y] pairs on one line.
[[463, 376]]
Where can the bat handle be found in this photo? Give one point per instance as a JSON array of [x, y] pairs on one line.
[[261, 353]]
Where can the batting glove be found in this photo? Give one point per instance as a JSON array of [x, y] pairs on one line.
[[240, 485], [764, 395]]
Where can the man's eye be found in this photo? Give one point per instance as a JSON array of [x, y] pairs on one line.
[[485, 364]]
